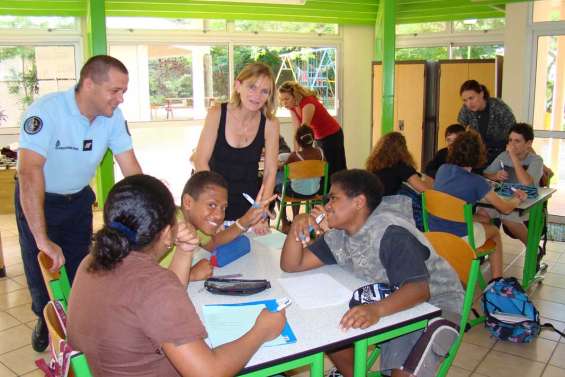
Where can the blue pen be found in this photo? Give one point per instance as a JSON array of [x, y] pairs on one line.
[[318, 220]]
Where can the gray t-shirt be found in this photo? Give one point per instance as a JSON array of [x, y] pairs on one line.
[[532, 163]]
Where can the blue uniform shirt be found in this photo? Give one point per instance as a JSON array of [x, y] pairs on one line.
[[73, 147]]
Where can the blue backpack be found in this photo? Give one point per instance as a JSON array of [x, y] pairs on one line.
[[510, 315]]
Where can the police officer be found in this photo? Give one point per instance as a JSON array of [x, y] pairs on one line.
[[63, 138]]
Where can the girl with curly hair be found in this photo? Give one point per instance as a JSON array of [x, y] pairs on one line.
[[391, 161]]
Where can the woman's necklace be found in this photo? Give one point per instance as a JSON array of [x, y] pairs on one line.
[[242, 129]]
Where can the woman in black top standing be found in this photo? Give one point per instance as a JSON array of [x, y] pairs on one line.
[[234, 136], [489, 116]]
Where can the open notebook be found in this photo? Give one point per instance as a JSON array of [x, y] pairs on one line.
[[227, 322]]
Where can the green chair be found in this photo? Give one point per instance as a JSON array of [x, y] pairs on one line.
[[448, 207], [57, 283], [303, 170], [464, 261], [56, 325]]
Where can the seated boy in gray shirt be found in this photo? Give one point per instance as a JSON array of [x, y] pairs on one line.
[[376, 246], [517, 164]]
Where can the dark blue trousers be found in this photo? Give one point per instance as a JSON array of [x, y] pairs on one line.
[[69, 225]]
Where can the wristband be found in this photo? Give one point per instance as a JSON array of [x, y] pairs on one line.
[[241, 227]]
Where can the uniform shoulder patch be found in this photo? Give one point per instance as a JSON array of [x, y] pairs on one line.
[[33, 125]]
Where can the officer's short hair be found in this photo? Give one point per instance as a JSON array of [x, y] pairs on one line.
[[97, 67], [199, 181]]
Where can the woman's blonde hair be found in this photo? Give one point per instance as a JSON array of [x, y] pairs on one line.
[[254, 71], [390, 150], [296, 90]]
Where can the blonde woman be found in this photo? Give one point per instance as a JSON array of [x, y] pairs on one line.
[[234, 136], [305, 108]]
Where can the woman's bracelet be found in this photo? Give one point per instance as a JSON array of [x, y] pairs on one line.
[[241, 227]]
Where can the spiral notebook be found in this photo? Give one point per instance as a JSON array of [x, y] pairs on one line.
[[228, 322]]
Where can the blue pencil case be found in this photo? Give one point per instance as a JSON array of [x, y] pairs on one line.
[[227, 253], [505, 189]]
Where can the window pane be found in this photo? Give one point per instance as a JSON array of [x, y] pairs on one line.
[[477, 52], [149, 23], [422, 53], [553, 153], [426, 27], [549, 99], [312, 67], [479, 24], [549, 10], [28, 72], [285, 27], [45, 23], [173, 82]]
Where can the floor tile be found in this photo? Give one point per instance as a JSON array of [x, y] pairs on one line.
[[547, 333], [23, 313], [557, 268], [23, 359], [14, 270], [552, 371], [455, 371], [14, 338], [555, 280], [549, 293], [7, 321], [556, 246], [539, 349], [500, 364], [8, 285], [558, 358], [479, 336], [5, 372], [550, 309], [21, 280], [9, 300], [469, 356], [35, 373]]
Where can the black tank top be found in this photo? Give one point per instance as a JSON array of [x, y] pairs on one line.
[[239, 166]]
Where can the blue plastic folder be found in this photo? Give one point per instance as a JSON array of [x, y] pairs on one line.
[[227, 322]]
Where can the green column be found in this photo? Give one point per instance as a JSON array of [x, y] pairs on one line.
[[97, 45], [385, 49]]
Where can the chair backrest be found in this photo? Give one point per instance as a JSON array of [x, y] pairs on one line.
[[307, 169], [464, 261], [79, 365], [447, 207], [57, 283]]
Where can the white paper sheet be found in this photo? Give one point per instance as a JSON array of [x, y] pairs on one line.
[[227, 323], [273, 240], [315, 291]]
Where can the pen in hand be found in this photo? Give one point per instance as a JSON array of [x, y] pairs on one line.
[[318, 220]]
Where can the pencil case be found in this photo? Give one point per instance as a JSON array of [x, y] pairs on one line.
[[227, 253], [235, 287], [505, 189]]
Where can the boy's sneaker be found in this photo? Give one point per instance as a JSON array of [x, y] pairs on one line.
[[334, 373], [369, 294]]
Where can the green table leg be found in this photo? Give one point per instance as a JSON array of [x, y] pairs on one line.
[[316, 362], [361, 346], [535, 227]]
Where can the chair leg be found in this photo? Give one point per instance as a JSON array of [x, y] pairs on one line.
[[283, 208]]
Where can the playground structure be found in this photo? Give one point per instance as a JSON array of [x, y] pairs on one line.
[[313, 68]]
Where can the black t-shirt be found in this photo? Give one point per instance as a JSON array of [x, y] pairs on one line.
[[439, 159], [400, 252], [392, 177], [483, 117]]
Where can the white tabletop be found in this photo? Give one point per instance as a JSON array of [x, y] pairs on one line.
[[316, 330]]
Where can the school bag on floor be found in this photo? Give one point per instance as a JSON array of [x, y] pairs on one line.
[[510, 315]]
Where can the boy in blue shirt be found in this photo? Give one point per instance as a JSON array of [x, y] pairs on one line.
[[455, 178]]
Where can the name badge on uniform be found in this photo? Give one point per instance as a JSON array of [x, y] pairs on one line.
[[87, 145]]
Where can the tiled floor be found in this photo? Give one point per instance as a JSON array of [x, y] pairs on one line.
[[479, 355]]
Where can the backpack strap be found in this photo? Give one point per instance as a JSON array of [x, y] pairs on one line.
[[550, 326]]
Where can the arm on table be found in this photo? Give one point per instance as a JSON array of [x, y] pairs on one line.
[[195, 359]]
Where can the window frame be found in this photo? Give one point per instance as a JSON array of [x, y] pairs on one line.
[[231, 39], [36, 37]]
